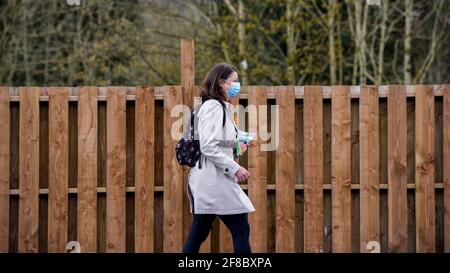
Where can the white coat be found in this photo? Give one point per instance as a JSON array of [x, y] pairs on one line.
[[214, 188]]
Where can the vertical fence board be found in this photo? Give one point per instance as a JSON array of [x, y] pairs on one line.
[[446, 164], [285, 171], [29, 169], [58, 169], [313, 147], [87, 169], [145, 181], [4, 168], [173, 176], [369, 167], [425, 157], [397, 198], [115, 170], [257, 184], [341, 169]]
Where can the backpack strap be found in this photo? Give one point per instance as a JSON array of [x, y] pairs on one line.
[[193, 134], [224, 114], [192, 124], [223, 108]]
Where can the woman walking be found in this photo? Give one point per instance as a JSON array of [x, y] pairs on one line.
[[213, 187]]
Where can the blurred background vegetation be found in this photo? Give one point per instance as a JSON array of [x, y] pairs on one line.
[[272, 42]]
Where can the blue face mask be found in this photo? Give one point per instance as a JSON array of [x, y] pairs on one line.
[[234, 89]]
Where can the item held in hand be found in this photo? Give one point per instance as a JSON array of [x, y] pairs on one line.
[[246, 137]]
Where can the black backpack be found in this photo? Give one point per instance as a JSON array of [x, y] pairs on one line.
[[187, 150]]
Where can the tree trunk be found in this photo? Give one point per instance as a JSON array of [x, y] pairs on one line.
[[242, 43], [362, 42], [435, 38], [340, 53], [383, 37], [25, 43], [331, 40], [290, 30], [407, 42]]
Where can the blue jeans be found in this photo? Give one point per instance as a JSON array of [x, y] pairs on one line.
[[201, 226]]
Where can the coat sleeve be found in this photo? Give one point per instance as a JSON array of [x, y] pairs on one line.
[[210, 134]]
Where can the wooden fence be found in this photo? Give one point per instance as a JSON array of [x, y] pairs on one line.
[[353, 165]]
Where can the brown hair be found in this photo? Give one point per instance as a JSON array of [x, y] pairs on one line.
[[211, 88]]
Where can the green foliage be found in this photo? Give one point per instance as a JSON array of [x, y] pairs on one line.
[[283, 42]]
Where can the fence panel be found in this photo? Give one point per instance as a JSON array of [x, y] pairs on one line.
[[129, 190]]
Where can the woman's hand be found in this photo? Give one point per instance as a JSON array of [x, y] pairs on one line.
[[242, 174], [243, 147]]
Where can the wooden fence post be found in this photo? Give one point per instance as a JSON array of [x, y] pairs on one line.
[[446, 164], [115, 170], [285, 171], [144, 166], [29, 169], [257, 160], [87, 169], [4, 168], [425, 165], [188, 85], [397, 202], [313, 146], [369, 166], [341, 168], [58, 203], [173, 176]]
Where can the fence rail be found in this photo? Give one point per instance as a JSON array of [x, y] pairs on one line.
[[353, 165], [438, 91]]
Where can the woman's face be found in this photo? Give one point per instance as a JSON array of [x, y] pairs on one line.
[[226, 84]]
